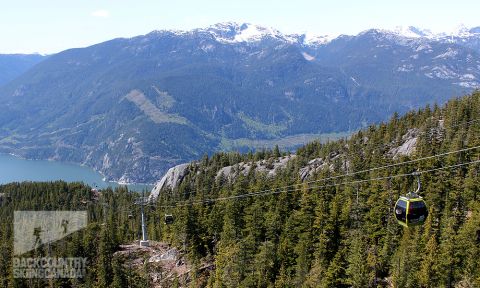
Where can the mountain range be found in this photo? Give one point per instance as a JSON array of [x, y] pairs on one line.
[[13, 65], [132, 108]]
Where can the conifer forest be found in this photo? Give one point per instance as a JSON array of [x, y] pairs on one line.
[[337, 228]]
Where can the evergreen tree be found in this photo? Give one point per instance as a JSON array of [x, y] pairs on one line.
[[118, 274], [357, 269], [105, 257]]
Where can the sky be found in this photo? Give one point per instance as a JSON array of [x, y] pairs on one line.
[[50, 26]]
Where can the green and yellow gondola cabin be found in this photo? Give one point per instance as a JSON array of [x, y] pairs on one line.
[[411, 211], [168, 219]]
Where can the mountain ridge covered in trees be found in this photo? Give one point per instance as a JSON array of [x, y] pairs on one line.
[[341, 233]]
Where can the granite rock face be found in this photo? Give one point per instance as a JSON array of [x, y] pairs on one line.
[[335, 161], [408, 146], [316, 165], [270, 167], [170, 180], [175, 175]]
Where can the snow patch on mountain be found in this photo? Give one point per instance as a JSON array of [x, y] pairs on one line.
[[467, 77], [413, 32], [461, 31], [423, 47], [354, 81], [310, 39], [472, 85], [442, 72], [450, 53], [250, 33], [405, 68], [207, 48], [417, 38], [307, 56], [231, 32]]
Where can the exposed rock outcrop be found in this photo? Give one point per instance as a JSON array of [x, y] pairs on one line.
[[410, 139], [165, 264], [408, 146], [270, 167], [175, 175], [316, 165], [333, 162], [170, 180]]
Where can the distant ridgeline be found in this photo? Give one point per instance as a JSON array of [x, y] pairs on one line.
[[312, 232], [13, 65], [133, 108]]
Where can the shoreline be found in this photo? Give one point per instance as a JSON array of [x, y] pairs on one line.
[[103, 177]]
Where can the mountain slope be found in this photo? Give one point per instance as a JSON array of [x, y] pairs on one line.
[[237, 206], [326, 230], [13, 65], [132, 108]]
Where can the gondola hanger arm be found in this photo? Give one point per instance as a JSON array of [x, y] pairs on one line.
[[419, 185]]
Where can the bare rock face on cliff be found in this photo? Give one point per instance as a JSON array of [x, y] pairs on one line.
[[270, 167], [335, 161], [317, 164], [408, 146], [175, 175], [170, 180]]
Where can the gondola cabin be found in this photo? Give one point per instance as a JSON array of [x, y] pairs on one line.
[[411, 211], [168, 219]]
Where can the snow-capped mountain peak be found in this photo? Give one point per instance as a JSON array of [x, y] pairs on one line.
[[475, 30], [249, 32], [460, 31], [413, 32], [231, 32], [310, 39], [401, 34], [234, 32]]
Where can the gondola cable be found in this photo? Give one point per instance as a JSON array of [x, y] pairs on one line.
[[381, 167], [363, 171], [415, 200], [277, 191]]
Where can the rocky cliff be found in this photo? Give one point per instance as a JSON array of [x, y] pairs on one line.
[[406, 146]]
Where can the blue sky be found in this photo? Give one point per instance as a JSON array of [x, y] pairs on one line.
[[50, 26]]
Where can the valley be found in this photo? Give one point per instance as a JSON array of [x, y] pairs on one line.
[[242, 144], [132, 108], [323, 216]]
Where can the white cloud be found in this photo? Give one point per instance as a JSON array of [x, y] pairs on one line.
[[101, 13]]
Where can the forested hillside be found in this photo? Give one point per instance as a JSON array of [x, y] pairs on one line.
[[132, 108], [336, 229], [13, 65]]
